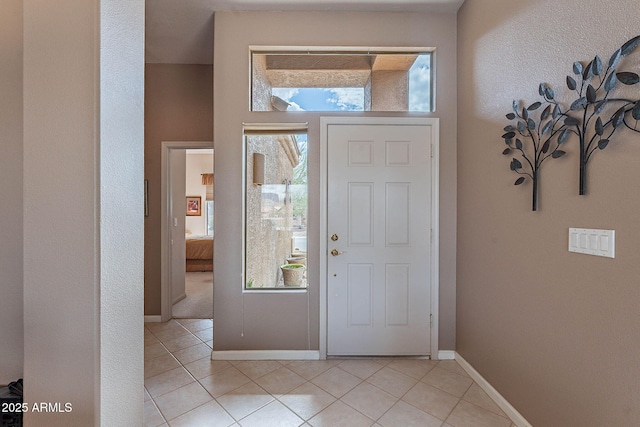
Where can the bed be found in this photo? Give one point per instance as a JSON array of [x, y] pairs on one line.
[[199, 253]]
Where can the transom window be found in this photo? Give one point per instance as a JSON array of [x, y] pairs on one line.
[[341, 79]]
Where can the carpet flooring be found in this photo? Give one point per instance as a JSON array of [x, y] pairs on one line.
[[199, 301]]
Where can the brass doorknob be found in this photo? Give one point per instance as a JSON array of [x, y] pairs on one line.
[[335, 252]]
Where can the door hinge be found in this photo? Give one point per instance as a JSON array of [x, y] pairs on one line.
[[432, 151], [431, 320]]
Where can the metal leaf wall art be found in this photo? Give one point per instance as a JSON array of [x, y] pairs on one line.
[[596, 114]]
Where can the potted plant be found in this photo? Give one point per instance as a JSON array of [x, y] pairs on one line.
[[292, 274]]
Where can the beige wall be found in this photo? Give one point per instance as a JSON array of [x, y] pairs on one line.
[[555, 332], [277, 321], [83, 243], [11, 349], [178, 107], [196, 165]]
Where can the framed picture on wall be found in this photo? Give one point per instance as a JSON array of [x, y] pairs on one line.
[[194, 206]]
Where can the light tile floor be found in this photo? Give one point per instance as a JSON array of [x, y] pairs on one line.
[[183, 387]]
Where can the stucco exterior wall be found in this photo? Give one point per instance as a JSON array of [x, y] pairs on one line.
[[269, 218], [555, 332]]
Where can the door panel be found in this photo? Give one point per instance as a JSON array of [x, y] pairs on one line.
[[379, 206], [360, 213]]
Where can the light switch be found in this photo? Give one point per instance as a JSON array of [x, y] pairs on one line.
[[175, 222], [592, 242]]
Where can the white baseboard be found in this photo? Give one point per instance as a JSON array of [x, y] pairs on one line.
[[266, 355], [446, 355], [152, 319], [506, 407], [179, 298]]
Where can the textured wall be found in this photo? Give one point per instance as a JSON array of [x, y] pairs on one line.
[[234, 33], [121, 221], [11, 351], [178, 107], [389, 90], [555, 332], [83, 140]]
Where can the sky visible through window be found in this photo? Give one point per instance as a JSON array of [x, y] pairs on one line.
[[352, 99], [322, 99]]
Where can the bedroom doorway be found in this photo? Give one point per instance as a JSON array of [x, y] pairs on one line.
[[187, 230]]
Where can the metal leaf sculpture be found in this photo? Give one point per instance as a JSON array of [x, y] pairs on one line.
[[593, 117], [536, 136]]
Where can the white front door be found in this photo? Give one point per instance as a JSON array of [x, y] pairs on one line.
[[379, 207]]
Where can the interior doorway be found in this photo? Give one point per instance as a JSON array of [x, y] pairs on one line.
[[187, 217], [192, 282]]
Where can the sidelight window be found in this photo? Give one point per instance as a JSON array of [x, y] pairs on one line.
[[275, 211]]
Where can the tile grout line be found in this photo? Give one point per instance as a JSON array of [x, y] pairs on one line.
[[181, 365], [277, 398]]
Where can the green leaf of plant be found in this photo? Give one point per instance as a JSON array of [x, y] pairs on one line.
[[599, 127], [514, 105], [509, 135], [511, 116], [579, 104], [577, 68], [525, 114], [541, 89], [556, 111], [521, 127], [635, 113], [558, 153], [545, 146], [519, 181], [571, 121], [596, 68], [531, 124], [518, 144], [615, 58], [547, 127], [610, 82], [628, 78], [563, 136], [509, 128], [630, 46], [571, 83], [534, 106], [591, 94], [506, 151], [603, 143]]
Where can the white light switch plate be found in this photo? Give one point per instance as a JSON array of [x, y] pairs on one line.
[[592, 242]]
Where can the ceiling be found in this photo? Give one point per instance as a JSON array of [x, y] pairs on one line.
[[181, 31]]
